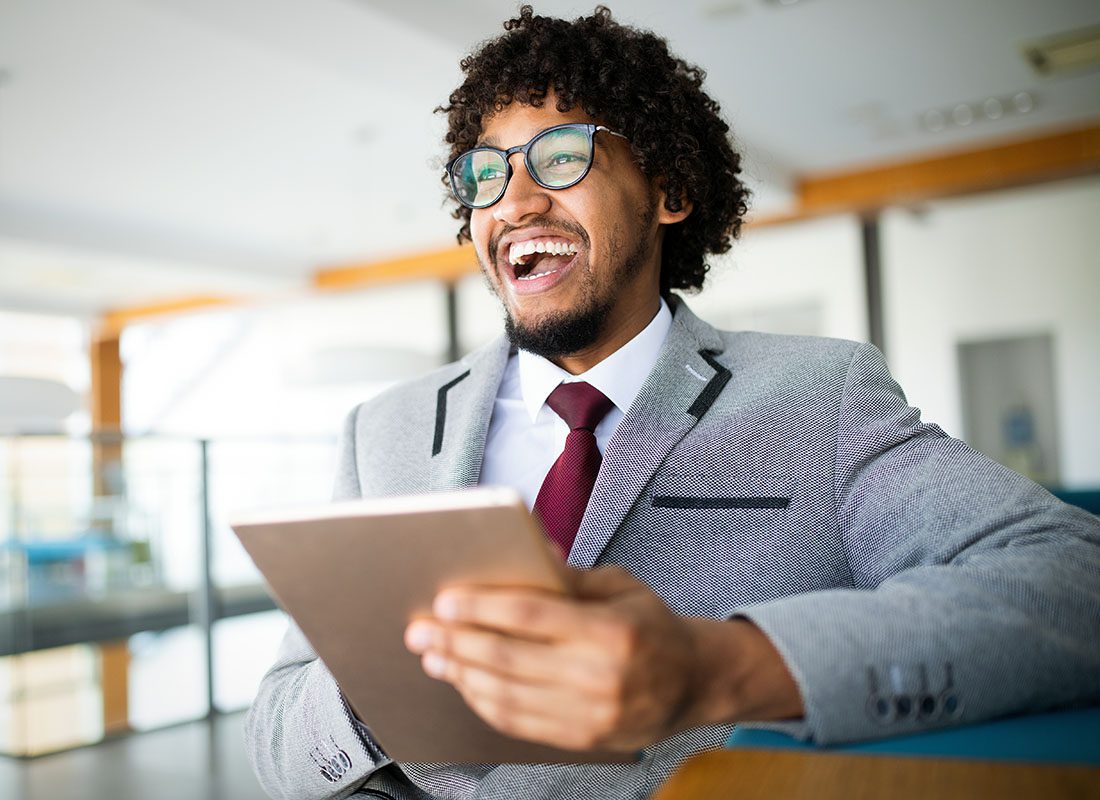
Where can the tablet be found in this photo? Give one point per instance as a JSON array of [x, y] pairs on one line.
[[353, 575]]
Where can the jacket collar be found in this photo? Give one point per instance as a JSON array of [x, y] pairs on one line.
[[679, 391], [685, 381]]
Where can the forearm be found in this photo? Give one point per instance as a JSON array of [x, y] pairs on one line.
[[301, 738], [738, 676]]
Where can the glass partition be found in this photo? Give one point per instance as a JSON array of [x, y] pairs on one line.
[[246, 475], [122, 587]]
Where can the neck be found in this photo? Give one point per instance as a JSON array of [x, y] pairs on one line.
[[617, 333]]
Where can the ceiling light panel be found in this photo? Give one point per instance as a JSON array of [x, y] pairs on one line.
[[1076, 51]]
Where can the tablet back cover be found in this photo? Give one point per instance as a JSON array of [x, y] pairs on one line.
[[352, 575]]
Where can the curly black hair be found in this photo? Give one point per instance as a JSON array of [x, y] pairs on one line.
[[629, 81]]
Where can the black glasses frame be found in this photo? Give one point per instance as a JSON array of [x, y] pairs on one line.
[[588, 127]]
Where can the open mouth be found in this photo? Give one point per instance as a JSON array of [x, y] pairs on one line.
[[537, 258]]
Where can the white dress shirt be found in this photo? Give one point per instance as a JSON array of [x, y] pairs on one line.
[[525, 435]]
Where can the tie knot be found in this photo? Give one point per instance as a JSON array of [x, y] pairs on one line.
[[580, 404]]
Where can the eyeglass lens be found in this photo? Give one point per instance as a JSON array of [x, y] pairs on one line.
[[555, 158]]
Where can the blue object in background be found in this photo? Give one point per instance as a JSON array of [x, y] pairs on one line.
[[57, 569], [1063, 737], [1088, 499]]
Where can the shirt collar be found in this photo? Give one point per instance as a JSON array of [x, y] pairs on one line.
[[619, 376]]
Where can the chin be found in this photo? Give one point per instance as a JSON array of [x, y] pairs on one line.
[[560, 332]]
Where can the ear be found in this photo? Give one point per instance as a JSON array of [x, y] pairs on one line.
[[666, 217]]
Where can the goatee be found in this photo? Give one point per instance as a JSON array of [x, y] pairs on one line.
[[562, 333], [572, 330]]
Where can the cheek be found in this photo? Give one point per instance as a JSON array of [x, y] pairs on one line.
[[479, 226]]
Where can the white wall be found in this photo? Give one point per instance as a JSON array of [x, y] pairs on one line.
[[1010, 263], [773, 277], [43, 347], [281, 368]]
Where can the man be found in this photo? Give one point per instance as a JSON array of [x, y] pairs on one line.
[[772, 534]]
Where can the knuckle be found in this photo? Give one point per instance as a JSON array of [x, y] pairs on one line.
[[622, 638], [587, 739], [499, 653], [499, 714], [526, 612], [445, 640], [453, 672], [605, 718], [607, 682], [482, 683], [496, 690]]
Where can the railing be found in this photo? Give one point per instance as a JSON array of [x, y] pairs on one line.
[[125, 600]]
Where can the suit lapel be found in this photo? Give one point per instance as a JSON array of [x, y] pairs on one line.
[[464, 404], [684, 382]]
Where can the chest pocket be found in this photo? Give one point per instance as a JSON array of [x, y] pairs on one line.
[[710, 502], [721, 490], [709, 542]]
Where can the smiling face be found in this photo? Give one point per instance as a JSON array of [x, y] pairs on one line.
[[577, 269]]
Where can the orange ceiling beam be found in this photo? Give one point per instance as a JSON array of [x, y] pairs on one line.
[[1024, 162], [450, 264], [112, 322]]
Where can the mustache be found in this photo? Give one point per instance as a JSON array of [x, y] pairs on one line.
[[567, 228]]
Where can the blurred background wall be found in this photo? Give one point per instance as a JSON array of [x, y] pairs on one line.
[[222, 226]]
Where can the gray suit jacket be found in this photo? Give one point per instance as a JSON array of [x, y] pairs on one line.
[[908, 581]]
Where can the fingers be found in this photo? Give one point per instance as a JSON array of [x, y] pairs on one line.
[[519, 659], [607, 666], [539, 615], [522, 613], [559, 730], [551, 714]]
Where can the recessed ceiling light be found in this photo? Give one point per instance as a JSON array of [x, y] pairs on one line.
[[962, 114], [1066, 52], [990, 109], [934, 120]]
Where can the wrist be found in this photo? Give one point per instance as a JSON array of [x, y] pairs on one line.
[[738, 675]]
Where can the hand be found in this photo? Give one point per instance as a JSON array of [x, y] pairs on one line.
[[609, 668]]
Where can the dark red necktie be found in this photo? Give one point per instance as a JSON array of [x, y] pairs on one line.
[[564, 494]]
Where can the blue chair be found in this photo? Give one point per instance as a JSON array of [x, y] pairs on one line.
[[1063, 737], [1088, 499]]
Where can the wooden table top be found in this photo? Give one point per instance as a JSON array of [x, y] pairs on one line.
[[748, 774]]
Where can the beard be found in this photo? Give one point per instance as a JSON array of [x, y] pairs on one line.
[[562, 333], [571, 330]]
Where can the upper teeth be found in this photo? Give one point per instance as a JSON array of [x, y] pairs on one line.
[[520, 250]]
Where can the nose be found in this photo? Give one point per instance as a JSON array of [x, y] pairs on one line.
[[522, 197]]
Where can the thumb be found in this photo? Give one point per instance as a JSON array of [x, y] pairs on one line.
[[602, 583]]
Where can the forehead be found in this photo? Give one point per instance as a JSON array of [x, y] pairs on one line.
[[516, 123]]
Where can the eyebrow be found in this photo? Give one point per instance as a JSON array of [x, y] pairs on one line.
[[490, 141]]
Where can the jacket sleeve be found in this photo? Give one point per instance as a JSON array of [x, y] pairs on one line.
[[976, 592], [302, 739]]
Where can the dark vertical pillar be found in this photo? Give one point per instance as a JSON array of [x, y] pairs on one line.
[[872, 277], [453, 350], [207, 603]]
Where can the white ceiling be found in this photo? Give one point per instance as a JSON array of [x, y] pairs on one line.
[[157, 148]]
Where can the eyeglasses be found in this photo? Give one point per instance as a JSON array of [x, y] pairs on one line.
[[556, 158]]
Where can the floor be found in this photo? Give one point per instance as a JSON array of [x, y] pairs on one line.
[[195, 761]]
